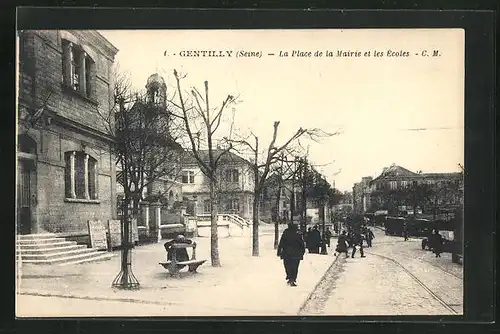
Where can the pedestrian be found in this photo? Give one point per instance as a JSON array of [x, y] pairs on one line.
[[307, 239], [357, 241], [437, 243], [328, 236], [180, 253], [314, 240], [369, 237], [405, 231], [291, 250], [342, 245]]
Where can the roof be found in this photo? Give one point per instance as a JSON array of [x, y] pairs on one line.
[[228, 157], [155, 78], [395, 171]]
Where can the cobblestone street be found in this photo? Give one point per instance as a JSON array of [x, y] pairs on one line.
[[395, 278]]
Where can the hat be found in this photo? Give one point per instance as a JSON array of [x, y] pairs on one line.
[[179, 237]]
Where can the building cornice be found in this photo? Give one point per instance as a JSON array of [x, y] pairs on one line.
[[78, 127]]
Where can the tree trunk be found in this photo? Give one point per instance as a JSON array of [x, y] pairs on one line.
[[255, 227], [214, 241]]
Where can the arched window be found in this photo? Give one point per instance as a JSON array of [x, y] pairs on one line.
[[80, 176], [78, 68]]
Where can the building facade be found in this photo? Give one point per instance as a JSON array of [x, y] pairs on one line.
[[235, 185], [361, 200], [66, 169], [398, 189]]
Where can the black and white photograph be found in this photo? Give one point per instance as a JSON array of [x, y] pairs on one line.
[[301, 172]]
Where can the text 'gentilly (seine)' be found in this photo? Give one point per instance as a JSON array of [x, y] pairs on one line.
[[389, 53]]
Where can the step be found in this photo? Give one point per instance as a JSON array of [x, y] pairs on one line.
[[49, 250], [35, 236], [46, 245], [89, 256], [54, 256], [38, 241]]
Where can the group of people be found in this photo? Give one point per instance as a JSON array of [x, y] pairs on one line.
[[314, 240], [292, 246], [354, 239]]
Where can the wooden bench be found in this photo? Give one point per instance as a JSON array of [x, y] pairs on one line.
[[173, 266]]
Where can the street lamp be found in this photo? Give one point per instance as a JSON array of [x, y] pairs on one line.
[[125, 279]]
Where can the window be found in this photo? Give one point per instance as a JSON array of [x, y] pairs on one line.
[[80, 176], [393, 185], [233, 205], [188, 176], [232, 175], [78, 68], [404, 184], [207, 207]]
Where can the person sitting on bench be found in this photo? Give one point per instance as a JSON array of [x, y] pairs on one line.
[[181, 253]]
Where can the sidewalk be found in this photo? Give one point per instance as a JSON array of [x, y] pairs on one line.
[[244, 285]]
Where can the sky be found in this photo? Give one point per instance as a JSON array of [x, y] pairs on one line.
[[387, 109]]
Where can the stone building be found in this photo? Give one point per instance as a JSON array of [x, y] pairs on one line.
[[66, 169], [396, 188], [361, 200], [236, 185], [154, 159]]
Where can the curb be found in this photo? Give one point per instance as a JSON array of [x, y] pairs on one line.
[[309, 296]]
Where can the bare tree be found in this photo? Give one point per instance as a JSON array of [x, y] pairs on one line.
[[262, 167], [146, 152], [284, 170], [201, 120], [146, 135]]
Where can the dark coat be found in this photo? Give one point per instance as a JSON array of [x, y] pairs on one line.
[[357, 239], [181, 253], [291, 245], [342, 244], [314, 239], [436, 241]]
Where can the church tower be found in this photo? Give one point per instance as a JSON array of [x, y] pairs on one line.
[[156, 90]]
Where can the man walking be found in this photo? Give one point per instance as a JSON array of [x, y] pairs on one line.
[[369, 237], [328, 236], [291, 250], [315, 240], [437, 243], [405, 231], [342, 245], [357, 241]]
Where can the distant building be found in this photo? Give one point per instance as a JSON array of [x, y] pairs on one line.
[[66, 169], [361, 200], [235, 183], [437, 192]]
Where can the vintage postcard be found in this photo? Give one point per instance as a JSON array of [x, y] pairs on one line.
[[240, 172]]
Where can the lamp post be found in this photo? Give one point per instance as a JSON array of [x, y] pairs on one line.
[[125, 279]]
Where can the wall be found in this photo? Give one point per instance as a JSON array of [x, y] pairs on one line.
[[76, 127]]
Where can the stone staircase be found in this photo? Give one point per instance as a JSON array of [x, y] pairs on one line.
[[47, 248]]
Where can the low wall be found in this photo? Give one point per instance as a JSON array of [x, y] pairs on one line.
[[204, 230]]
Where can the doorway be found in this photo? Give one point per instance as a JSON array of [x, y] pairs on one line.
[[26, 184]]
